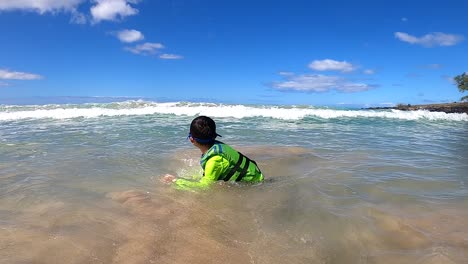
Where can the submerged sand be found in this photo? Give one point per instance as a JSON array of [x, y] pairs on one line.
[[287, 219]]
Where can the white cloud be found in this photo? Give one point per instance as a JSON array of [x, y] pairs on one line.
[[40, 6], [331, 65], [78, 18], [369, 72], [113, 9], [130, 35], [101, 10], [12, 75], [166, 56], [316, 83], [285, 73], [434, 66], [448, 78], [146, 48], [430, 40], [149, 48]]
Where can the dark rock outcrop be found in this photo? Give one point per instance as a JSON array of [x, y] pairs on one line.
[[447, 107]]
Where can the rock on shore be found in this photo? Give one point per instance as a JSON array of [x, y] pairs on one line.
[[461, 107]]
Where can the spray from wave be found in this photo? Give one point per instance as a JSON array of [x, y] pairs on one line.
[[140, 108]]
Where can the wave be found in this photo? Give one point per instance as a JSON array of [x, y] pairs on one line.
[[140, 108]]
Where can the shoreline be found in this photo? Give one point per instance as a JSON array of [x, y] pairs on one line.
[[461, 107]]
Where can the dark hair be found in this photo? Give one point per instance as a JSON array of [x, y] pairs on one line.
[[203, 128]]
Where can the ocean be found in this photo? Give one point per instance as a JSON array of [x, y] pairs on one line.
[[81, 183]]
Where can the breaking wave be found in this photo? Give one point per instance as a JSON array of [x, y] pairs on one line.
[[139, 108]]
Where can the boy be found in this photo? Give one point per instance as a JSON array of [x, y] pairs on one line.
[[219, 161]]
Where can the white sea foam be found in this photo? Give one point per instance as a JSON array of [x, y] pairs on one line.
[[139, 108]]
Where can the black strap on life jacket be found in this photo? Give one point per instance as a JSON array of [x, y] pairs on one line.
[[244, 170], [237, 168]]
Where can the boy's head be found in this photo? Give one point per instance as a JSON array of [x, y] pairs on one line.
[[203, 130]]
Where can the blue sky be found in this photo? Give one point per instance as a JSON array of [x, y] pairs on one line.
[[274, 52]]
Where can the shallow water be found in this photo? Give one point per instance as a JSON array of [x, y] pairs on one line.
[[342, 186]]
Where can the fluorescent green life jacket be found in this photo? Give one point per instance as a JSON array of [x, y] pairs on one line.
[[241, 168]]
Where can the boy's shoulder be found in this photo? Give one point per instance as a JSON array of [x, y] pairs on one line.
[[218, 148], [222, 147]]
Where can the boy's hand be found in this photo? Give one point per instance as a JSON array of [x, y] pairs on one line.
[[168, 178]]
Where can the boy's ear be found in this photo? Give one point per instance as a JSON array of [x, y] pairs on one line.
[[192, 140]]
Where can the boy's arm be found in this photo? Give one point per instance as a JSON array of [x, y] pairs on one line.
[[214, 168]]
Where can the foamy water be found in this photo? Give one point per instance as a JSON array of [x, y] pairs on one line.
[[81, 183], [138, 108]]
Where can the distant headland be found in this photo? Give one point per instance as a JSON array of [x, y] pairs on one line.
[[460, 107]]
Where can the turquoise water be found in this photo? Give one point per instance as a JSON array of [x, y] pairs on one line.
[[80, 183]]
